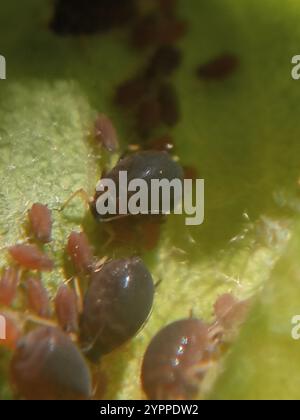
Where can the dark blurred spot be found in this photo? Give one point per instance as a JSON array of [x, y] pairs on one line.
[[77, 17]]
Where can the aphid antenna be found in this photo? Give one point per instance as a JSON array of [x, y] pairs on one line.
[[82, 194], [157, 284]]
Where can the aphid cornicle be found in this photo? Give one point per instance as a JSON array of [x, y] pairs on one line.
[[146, 165], [177, 359], [116, 305], [48, 366]]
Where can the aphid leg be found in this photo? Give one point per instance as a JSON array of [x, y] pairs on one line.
[[191, 314], [100, 264], [79, 295], [82, 194], [157, 284]]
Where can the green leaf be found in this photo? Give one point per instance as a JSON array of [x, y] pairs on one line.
[[241, 134], [264, 363]]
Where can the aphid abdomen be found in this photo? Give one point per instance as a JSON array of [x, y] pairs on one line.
[[41, 222], [48, 366], [31, 258], [67, 309], [117, 304], [177, 359]]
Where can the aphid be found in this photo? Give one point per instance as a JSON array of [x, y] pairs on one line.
[[145, 165], [169, 104], [76, 17], [218, 68], [155, 30], [41, 222], [131, 92], [80, 252], [164, 62], [149, 116], [105, 133], [31, 257], [66, 309], [177, 359], [8, 286], [38, 300], [171, 31], [145, 32], [167, 7], [48, 366], [117, 304]]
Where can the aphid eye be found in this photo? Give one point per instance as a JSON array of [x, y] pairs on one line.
[[117, 304]]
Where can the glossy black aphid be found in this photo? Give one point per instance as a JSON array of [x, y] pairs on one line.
[[145, 165], [116, 305]]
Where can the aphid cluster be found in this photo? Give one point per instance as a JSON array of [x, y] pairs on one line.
[[150, 95], [55, 341]]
